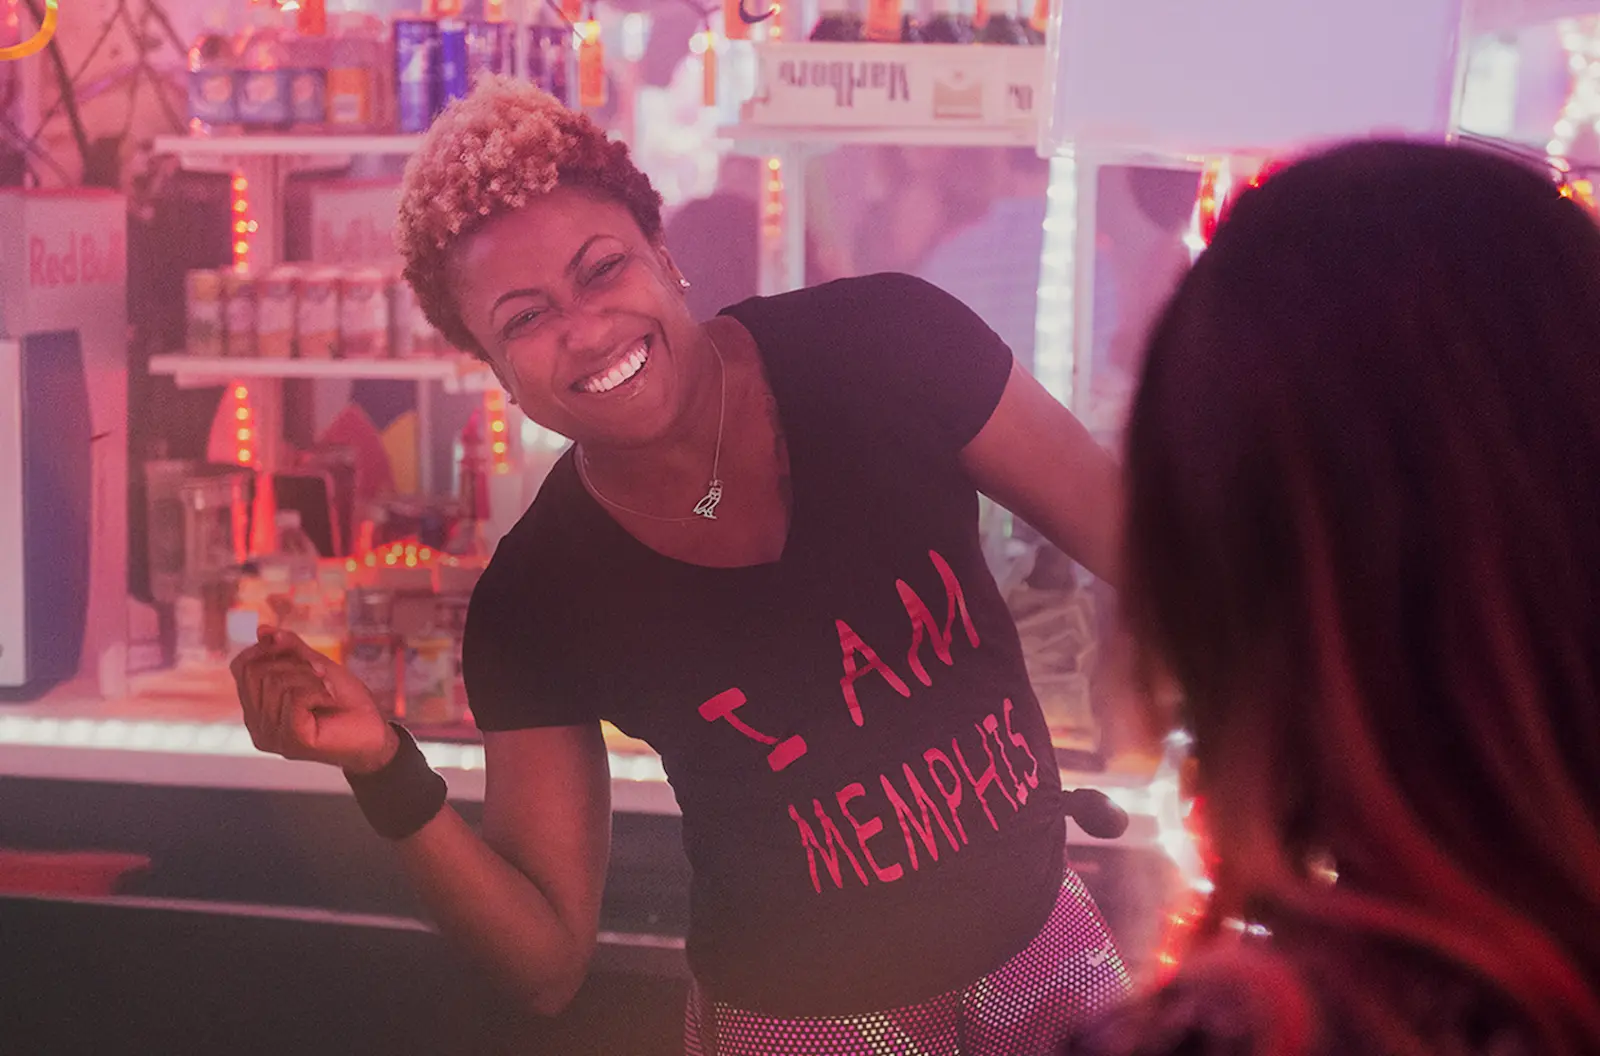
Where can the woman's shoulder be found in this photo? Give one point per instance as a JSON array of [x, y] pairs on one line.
[[547, 539], [883, 300]]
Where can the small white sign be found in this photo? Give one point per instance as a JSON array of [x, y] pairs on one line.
[[923, 86], [352, 223]]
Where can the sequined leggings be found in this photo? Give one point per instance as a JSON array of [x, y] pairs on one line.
[[1026, 1007]]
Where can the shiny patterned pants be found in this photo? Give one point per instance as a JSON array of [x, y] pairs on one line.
[[1026, 1007]]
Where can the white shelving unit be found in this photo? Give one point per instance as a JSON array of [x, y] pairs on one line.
[[999, 94], [265, 161], [456, 374]]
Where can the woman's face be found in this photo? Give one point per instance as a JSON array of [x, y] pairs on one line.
[[582, 317]]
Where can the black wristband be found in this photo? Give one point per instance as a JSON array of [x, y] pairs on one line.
[[403, 796]]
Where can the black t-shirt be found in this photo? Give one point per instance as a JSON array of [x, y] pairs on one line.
[[870, 801]]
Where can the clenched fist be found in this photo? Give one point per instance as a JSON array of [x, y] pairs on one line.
[[300, 705]]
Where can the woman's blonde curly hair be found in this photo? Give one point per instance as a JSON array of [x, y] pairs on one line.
[[489, 153]]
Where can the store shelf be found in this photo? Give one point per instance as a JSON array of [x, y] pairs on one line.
[[753, 138], [455, 374], [296, 146]]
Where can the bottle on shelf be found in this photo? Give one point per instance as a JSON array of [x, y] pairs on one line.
[[454, 77], [305, 52], [468, 538], [324, 620], [212, 95], [261, 82], [357, 59], [886, 21], [289, 573], [550, 54], [429, 670], [311, 20], [840, 22], [369, 650], [950, 22], [416, 67], [1005, 25]]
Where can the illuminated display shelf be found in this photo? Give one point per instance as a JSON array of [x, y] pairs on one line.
[[454, 373], [55, 740]]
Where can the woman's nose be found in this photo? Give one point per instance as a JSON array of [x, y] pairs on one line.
[[585, 329]]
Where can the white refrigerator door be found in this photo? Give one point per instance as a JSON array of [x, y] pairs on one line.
[[13, 591]]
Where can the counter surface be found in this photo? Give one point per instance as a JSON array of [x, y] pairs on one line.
[[182, 729]]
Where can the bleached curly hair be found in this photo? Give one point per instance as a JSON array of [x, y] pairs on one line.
[[489, 153]]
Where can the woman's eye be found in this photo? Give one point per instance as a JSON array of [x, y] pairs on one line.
[[606, 268], [521, 321]]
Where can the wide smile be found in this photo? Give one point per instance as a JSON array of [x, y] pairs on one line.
[[621, 372]]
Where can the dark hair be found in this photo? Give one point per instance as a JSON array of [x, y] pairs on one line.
[[1364, 535]]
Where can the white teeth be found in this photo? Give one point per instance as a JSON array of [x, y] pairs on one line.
[[599, 383]]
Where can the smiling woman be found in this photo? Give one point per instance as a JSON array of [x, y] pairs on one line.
[[753, 505]]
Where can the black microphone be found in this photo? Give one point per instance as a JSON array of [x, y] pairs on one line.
[[1094, 812]]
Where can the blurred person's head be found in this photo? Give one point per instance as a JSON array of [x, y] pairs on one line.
[[1364, 536]]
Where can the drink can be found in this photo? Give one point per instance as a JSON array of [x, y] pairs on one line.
[[317, 314], [239, 312], [261, 97], [429, 673], [412, 336], [550, 60], [364, 315], [275, 313], [350, 97], [371, 658], [416, 61], [454, 79], [211, 96], [308, 107], [203, 303]]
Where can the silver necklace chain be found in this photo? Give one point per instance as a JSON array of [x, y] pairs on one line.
[[706, 508]]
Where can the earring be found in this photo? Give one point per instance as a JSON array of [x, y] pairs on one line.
[[683, 283]]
